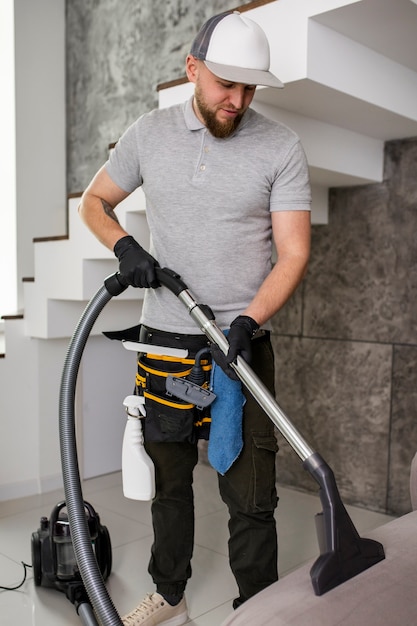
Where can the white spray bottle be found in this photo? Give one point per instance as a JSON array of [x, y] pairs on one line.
[[138, 472]]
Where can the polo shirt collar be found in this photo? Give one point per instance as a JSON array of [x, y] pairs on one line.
[[191, 120]]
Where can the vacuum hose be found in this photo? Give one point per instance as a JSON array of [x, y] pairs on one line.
[[84, 553]]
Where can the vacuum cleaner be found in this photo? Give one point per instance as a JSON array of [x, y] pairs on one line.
[[343, 553], [53, 558]]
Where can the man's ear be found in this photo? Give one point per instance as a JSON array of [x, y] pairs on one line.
[[191, 68]]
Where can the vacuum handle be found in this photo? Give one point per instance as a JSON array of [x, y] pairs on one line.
[[170, 279], [116, 284]]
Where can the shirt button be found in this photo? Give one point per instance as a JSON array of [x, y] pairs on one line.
[[206, 149], [202, 168]]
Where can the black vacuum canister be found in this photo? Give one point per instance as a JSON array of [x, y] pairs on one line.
[[53, 557]]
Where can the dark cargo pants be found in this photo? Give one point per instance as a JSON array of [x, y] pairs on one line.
[[248, 489]]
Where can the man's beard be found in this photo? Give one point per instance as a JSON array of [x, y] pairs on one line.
[[218, 129]]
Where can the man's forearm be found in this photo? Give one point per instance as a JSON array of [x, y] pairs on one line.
[[291, 233], [277, 288], [100, 217]]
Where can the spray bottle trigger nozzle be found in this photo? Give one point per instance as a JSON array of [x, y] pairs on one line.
[[134, 406]]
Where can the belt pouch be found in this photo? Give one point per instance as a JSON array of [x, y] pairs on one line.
[[169, 419]]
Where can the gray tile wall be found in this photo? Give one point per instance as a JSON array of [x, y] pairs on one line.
[[346, 344]]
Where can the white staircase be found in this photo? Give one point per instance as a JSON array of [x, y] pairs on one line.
[[350, 69]]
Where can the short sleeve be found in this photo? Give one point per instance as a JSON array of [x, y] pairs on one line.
[[123, 165], [291, 189]]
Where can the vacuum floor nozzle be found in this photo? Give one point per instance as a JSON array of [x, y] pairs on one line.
[[338, 566], [343, 553]]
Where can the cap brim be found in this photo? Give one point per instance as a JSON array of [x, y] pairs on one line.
[[244, 75]]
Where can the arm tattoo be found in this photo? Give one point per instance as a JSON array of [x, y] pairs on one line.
[[109, 210]]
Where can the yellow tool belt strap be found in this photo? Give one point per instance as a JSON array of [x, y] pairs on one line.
[[141, 380], [161, 400]]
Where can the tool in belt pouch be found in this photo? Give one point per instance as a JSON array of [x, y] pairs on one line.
[[177, 397]]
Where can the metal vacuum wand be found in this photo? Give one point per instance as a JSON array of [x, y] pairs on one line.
[[343, 552]]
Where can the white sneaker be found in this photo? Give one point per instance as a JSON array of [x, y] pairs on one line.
[[154, 609]]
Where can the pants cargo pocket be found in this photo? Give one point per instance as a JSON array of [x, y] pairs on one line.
[[264, 450]]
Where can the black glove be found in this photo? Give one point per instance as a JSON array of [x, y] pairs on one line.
[[242, 329], [136, 266]]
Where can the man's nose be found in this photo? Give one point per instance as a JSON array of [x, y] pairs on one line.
[[236, 97]]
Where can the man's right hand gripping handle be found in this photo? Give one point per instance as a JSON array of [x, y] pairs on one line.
[[136, 266]]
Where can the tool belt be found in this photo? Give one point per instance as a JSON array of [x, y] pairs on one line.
[[169, 419]]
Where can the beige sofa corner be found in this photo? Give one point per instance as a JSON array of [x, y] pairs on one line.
[[383, 595]]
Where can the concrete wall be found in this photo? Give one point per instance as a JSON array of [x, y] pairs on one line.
[[346, 345], [117, 54]]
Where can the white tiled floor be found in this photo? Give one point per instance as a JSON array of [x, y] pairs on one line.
[[211, 588]]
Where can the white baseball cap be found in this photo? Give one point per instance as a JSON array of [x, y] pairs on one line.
[[235, 48]]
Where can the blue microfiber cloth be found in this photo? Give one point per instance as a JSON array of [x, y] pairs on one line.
[[226, 441]]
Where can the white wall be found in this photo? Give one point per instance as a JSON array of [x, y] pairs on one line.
[[106, 377], [8, 293], [19, 424], [33, 148], [40, 126]]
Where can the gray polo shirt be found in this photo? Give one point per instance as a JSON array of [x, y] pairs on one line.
[[208, 204]]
